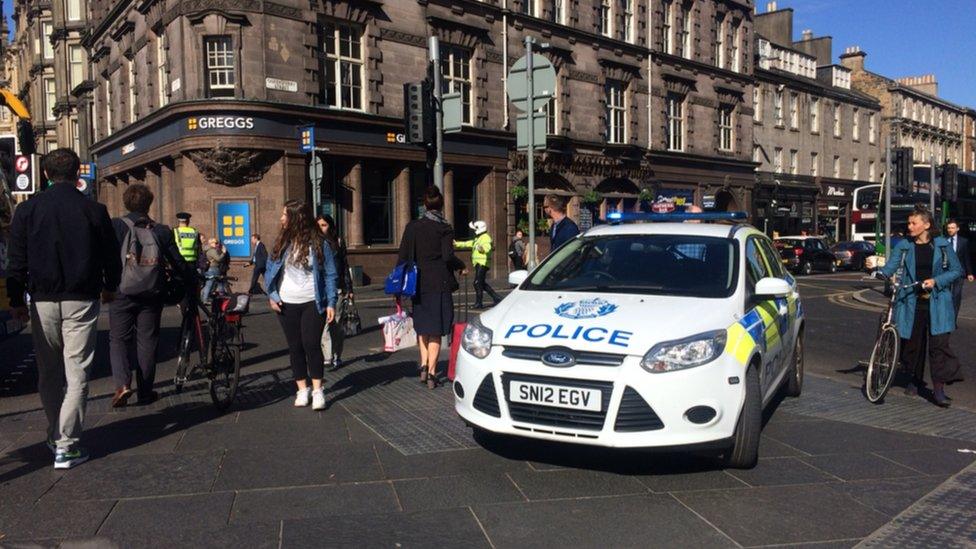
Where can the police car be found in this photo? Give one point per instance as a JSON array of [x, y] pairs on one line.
[[637, 335]]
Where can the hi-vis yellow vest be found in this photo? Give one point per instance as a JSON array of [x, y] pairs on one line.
[[480, 248], [186, 241]]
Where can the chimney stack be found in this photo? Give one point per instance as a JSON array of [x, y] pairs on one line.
[[925, 83], [807, 34], [771, 6], [853, 58]]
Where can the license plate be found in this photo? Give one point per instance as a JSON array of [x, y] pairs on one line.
[[556, 396]]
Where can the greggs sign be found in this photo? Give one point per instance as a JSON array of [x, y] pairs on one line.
[[220, 123]]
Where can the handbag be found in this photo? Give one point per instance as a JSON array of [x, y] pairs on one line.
[[350, 321], [403, 279], [398, 332]]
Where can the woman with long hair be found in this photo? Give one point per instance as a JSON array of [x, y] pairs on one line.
[[301, 280], [429, 243], [333, 337], [924, 314]]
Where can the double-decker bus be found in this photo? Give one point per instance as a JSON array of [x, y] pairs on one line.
[[867, 214]]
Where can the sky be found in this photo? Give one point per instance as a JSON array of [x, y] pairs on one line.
[[901, 37]]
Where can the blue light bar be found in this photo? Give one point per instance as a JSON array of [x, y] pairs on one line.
[[676, 217]]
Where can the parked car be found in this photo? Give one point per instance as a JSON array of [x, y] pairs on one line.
[[805, 254], [852, 255]]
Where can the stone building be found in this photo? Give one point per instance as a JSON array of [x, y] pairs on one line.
[[52, 68], [202, 99], [9, 79], [816, 139], [969, 141], [912, 111]]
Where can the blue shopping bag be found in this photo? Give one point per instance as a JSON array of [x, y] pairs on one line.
[[402, 280]]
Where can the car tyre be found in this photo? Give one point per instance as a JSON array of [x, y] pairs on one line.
[[806, 268], [833, 268], [794, 378], [744, 452]]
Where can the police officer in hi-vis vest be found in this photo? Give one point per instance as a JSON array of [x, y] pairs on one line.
[[187, 239], [481, 248]]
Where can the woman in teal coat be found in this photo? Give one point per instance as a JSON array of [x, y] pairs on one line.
[[924, 314]]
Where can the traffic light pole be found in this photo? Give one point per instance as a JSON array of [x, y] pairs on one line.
[[530, 150], [932, 185], [887, 190], [435, 60]]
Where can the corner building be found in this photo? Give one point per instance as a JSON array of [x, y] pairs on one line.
[[202, 100]]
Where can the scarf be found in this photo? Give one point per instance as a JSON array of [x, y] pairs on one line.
[[435, 215]]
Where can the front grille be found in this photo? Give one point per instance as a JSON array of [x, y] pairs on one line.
[[559, 417], [635, 414], [486, 400], [583, 358]]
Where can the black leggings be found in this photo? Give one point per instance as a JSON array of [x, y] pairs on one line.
[[303, 326], [943, 364]]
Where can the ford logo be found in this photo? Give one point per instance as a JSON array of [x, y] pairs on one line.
[[559, 358]]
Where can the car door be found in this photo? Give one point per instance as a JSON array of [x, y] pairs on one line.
[[762, 316], [786, 307]]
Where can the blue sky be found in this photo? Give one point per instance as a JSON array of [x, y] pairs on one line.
[[901, 37]]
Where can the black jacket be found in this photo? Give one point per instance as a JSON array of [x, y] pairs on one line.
[[167, 244], [62, 247], [260, 257], [431, 245], [562, 232], [962, 250]]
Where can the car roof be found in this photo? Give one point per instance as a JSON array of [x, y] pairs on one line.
[[799, 238], [719, 230]]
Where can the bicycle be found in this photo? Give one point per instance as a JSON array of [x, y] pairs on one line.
[[884, 356], [219, 346]]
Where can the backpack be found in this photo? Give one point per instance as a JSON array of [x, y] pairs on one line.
[[142, 267]]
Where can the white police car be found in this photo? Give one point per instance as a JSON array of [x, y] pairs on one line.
[[639, 335]]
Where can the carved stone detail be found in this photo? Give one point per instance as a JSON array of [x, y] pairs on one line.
[[233, 167], [403, 37], [584, 77]]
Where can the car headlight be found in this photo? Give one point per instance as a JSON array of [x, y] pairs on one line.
[[685, 353], [476, 339]]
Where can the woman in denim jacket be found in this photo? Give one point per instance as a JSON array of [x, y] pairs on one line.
[[301, 280], [924, 314]]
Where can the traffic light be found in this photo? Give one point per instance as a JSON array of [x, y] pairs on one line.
[[950, 182], [418, 112], [904, 169], [25, 137]]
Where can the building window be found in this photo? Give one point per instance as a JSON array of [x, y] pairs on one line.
[[616, 112], [221, 75], [794, 111], [667, 24], [675, 127], [74, 10], [725, 134], [856, 125], [343, 66], [606, 18], [50, 97], [627, 7], [914, 110], [814, 164], [46, 47], [815, 115], [552, 111], [757, 104], [855, 170], [720, 41], [778, 160], [837, 167], [556, 12], [528, 7], [757, 154], [837, 120], [456, 77], [51, 144], [108, 106], [793, 160], [378, 206], [75, 135], [871, 172], [76, 60], [736, 39], [872, 127], [778, 108], [162, 77], [683, 42], [132, 91]]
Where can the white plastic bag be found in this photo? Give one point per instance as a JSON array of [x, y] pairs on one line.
[[398, 332]]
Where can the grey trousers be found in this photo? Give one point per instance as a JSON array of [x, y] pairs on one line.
[[64, 336]]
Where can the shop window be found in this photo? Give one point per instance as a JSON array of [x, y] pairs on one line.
[[344, 62], [616, 112], [378, 207], [456, 77], [221, 72], [465, 205]]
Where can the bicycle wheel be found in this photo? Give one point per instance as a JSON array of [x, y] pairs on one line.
[[183, 359], [225, 372], [883, 364]]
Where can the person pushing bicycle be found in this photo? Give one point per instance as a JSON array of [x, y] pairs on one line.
[[924, 314]]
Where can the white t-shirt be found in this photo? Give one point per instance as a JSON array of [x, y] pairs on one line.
[[297, 282]]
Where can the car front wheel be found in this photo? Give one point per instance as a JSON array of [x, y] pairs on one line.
[[806, 268], [794, 378], [744, 452]]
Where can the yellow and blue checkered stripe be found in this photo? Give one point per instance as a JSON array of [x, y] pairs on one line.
[[762, 326]]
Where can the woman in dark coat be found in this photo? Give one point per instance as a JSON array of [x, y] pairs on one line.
[[429, 242]]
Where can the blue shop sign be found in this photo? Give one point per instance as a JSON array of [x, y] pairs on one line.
[[234, 227]]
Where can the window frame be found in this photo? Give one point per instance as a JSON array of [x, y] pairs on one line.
[[605, 18], [838, 126], [162, 72], [343, 66], [449, 79], [73, 65], [667, 27], [736, 39], [720, 21], [794, 161], [726, 127], [856, 125], [757, 103], [778, 109], [50, 97], [778, 160], [629, 16], [47, 48], [230, 70], [814, 164], [616, 130], [815, 115], [675, 126], [79, 15], [794, 110]]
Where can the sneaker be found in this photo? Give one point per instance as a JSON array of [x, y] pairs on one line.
[[336, 363], [66, 459], [301, 398], [318, 399]]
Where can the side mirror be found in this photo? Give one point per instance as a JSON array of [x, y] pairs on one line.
[[769, 288], [516, 278]]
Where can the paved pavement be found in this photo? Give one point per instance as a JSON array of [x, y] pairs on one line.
[[389, 464]]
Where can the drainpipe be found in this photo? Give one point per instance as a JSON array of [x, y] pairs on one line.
[[505, 63]]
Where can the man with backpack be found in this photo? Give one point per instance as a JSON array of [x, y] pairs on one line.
[[146, 250], [64, 253]]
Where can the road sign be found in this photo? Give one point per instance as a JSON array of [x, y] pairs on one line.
[[23, 184], [82, 185], [451, 106], [315, 170], [22, 164], [543, 81], [307, 139], [88, 171], [539, 127]]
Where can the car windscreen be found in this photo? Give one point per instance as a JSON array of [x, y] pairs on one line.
[[677, 265]]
